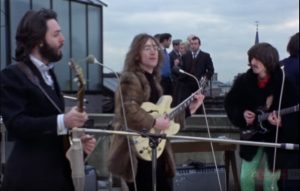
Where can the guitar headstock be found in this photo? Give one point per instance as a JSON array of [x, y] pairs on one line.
[[203, 82], [77, 70], [80, 82]]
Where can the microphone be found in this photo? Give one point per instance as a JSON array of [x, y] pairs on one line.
[[277, 125], [91, 59], [203, 80], [191, 75]]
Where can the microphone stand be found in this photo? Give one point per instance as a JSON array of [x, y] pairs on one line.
[[153, 143], [3, 154], [92, 60], [286, 146], [208, 131]]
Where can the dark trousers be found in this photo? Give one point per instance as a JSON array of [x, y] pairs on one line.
[[144, 177], [167, 86]]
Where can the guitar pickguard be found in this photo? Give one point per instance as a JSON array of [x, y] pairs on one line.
[[141, 144]]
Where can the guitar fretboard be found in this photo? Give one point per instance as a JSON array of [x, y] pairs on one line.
[[284, 111], [185, 103], [180, 107]]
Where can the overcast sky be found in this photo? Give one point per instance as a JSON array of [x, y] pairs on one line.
[[226, 28]]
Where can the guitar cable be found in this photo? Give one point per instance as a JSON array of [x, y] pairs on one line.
[[207, 127], [91, 59]]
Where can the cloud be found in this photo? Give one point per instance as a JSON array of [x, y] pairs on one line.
[[226, 28]]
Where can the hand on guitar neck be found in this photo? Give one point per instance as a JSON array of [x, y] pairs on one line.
[[274, 119], [75, 118], [196, 103]]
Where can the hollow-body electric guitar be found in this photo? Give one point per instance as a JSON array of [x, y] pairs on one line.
[[141, 144]]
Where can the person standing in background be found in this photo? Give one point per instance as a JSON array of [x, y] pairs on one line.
[[189, 41], [176, 63], [32, 107], [183, 48], [175, 54], [291, 130], [166, 80], [291, 64], [197, 63]]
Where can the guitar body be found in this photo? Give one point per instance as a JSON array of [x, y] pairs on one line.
[[260, 119], [141, 144]]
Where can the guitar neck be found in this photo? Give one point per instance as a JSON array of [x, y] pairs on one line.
[[181, 107], [185, 103], [80, 97], [282, 112]]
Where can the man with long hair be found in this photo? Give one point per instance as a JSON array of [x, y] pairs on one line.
[[32, 107]]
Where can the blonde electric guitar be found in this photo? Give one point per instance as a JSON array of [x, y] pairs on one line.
[[141, 144]]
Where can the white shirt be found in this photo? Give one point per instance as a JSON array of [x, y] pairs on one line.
[[44, 70]]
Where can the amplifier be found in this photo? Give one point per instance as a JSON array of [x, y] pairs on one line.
[[193, 178]]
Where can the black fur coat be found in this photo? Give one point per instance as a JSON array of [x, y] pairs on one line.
[[246, 95]]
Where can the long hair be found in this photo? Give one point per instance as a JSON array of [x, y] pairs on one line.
[[31, 32], [133, 56], [265, 53]]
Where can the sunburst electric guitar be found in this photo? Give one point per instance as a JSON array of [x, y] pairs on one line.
[[141, 144]]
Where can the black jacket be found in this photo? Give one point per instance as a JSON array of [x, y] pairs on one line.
[[246, 95], [37, 161]]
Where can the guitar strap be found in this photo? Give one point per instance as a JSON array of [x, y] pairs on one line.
[[26, 70]]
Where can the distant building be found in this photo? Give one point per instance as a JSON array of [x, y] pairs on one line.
[[217, 88], [256, 34], [82, 25]]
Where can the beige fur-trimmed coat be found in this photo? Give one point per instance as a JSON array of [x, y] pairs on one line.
[[135, 90]]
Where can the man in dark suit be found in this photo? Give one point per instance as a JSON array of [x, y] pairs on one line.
[[165, 71], [197, 63], [176, 62], [32, 107]]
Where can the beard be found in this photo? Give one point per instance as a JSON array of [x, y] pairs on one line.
[[50, 53]]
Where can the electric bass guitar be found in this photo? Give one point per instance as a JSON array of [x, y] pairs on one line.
[[80, 82], [75, 152], [263, 116], [141, 144]]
